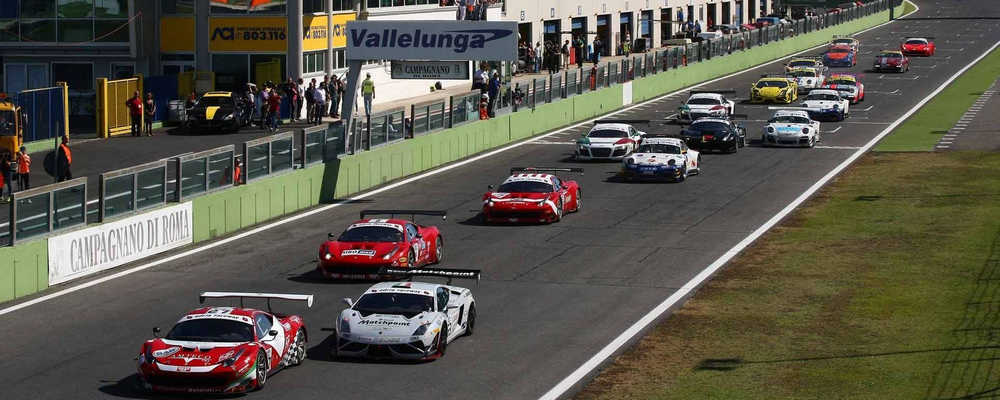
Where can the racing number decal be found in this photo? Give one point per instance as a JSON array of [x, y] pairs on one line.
[[220, 310]]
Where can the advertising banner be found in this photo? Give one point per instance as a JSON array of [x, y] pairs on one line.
[[261, 34], [432, 40], [430, 70], [176, 34], [314, 35], [86, 251]]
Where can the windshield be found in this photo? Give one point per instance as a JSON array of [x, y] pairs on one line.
[[802, 63], [7, 123], [212, 330], [703, 100], [607, 133], [846, 82], [404, 304], [525, 187], [789, 119], [823, 97], [803, 74], [659, 148], [371, 234], [215, 101], [839, 51], [710, 127], [915, 42], [843, 41], [891, 55], [774, 84]]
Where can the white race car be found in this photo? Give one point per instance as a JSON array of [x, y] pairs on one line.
[[406, 320], [662, 158], [608, 140], [791, 127], [705, 103], [826, 104], [807, 78]]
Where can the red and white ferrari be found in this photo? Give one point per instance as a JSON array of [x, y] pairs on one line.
[[372, 243], [918, 47], [224, 349], [532, 195]]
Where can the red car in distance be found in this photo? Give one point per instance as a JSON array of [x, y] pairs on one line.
[[224, 349], [369, 244], [532, 195], [918, 47]]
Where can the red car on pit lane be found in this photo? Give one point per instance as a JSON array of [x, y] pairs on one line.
[[372, 243], [223, 349], [532, 195], [918, 47]]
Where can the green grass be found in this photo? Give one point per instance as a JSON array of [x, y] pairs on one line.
[[923, 130], [873, 290]]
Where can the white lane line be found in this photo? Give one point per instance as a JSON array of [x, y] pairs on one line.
[[296, 217], [626, 336], [835, 130], [839, 147], [865, 109], [550, 142]]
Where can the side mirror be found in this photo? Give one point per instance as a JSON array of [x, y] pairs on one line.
[[156, 331], [272, 332], [348, 301], [490, 187], [452, 307], [331, 236]]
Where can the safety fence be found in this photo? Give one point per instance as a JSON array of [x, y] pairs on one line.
[[112, 116], [46, 110]]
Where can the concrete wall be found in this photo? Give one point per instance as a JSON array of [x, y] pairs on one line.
[[23, 269]]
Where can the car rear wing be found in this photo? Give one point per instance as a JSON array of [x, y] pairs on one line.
[[621, 121], [661, 136], [412, 213], [544, 169], [308, 298], [806, 109], [719, 91], [449, 273], [919, 37]]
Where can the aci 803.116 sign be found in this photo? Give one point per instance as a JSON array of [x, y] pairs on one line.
[[432, 40]]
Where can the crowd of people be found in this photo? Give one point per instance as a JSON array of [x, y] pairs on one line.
[[469, 10], [553, 57]]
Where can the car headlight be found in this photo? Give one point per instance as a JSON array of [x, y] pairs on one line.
[[836, 106], [629, 161], [805, 130], [328, 256], [232, 360], [728, 138], [770, 129], [345, 327], [228, 117], [420, 330]]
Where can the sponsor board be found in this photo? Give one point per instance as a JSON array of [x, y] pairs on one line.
[[86, 251], [315, 33], [432, 40], [177, 34], [248, 34], [458, 70]]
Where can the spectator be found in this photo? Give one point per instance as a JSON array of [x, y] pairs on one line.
[[6, 188], [460, 10], [320, 101], [597, 50], [23, 169], [274, 106], [237, 171], [538, 57], [565, 54], [477, 79], [484, 102], [697, 27], [408, 127], [494, 93], [334, 94], [64, 160], [581, 46], [292, 93], [311, 101], [302, 94], [627, 44], [134, 105], [368, 92], [191, 101], [249, 104], [150, 113], [265, 95]]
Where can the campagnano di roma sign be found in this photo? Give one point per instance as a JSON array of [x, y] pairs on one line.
[[86, 251]]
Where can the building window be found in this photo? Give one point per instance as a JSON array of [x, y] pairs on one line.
[[111, 8], [230, 71], [339, 59], [8, 9], [78, 76], [185, 7], [76, 30], [314, 62], [37, 8], [8, 30], [111, 30], [43, 30], [248, 6], [342, 5], [76, 8], [313, 6], [267, 67]]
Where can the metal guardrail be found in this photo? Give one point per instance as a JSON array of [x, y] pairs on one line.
[[267, 155], [47, 209], [205, 172], [128, 190]]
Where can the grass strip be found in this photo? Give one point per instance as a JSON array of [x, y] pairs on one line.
[[923, 130], [886, 285]]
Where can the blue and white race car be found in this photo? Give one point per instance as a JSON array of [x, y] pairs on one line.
[[826, 105], [661, 158], [406, 320], [791, 127]]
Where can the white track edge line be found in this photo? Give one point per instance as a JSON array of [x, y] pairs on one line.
[[432, 172]]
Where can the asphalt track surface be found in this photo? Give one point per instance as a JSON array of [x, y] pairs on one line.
[[551, 295]]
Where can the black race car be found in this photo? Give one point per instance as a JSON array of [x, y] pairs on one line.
[[215, 111], [707, 134]]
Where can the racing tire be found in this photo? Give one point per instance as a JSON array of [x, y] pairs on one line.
[[736, 148], [683, 176], [442, 344], [698, 161], [260, 377], [559, 211], [438, 250], [300, 349], [579, 200], [470, 320], [812, 142], [411, 259]]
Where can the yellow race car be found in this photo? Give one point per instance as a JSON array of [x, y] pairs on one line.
[[774, 89]]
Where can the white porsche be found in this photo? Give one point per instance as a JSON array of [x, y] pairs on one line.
[[790, 127], [807, 78], [406, 320], [826, 104], [661, 158], [608, 140]]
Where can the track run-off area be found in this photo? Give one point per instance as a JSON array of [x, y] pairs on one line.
[[555, 300]]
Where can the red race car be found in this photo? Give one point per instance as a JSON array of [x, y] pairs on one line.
[[532, 195], [848, 85], [918, 47], [224, 349], [889, 60], [371, 243]]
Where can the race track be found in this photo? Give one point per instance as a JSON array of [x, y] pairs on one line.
[[551, 295]]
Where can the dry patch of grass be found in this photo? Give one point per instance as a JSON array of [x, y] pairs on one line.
[[874, 289]]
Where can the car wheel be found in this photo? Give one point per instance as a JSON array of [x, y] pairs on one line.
[[470, 320], [438, 250], [683, 176], [736, 148], [442, 344], [299, 347], [559, 211], [411, 259], [812, 142], [260, 376], [579, 200], [698, 163]]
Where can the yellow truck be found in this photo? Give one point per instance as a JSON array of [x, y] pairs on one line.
[[11, 127]]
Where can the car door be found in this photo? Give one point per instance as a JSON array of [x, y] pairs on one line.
[[453, 311], [417, 243], [264, 323]]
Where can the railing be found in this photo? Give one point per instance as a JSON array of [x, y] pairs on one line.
[[53, 208]]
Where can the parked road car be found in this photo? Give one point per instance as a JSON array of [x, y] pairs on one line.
[[215, 111], [406, 320], [372, 243], [224, 349], [532, 194]]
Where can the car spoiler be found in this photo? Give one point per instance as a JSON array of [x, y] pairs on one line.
[[817, 89], [720, 91], [438, 213], [777, 75], [621, 121], [308, 298], [544, 169], [919, 37], [806, 109], [661, 136], [450, 273]]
